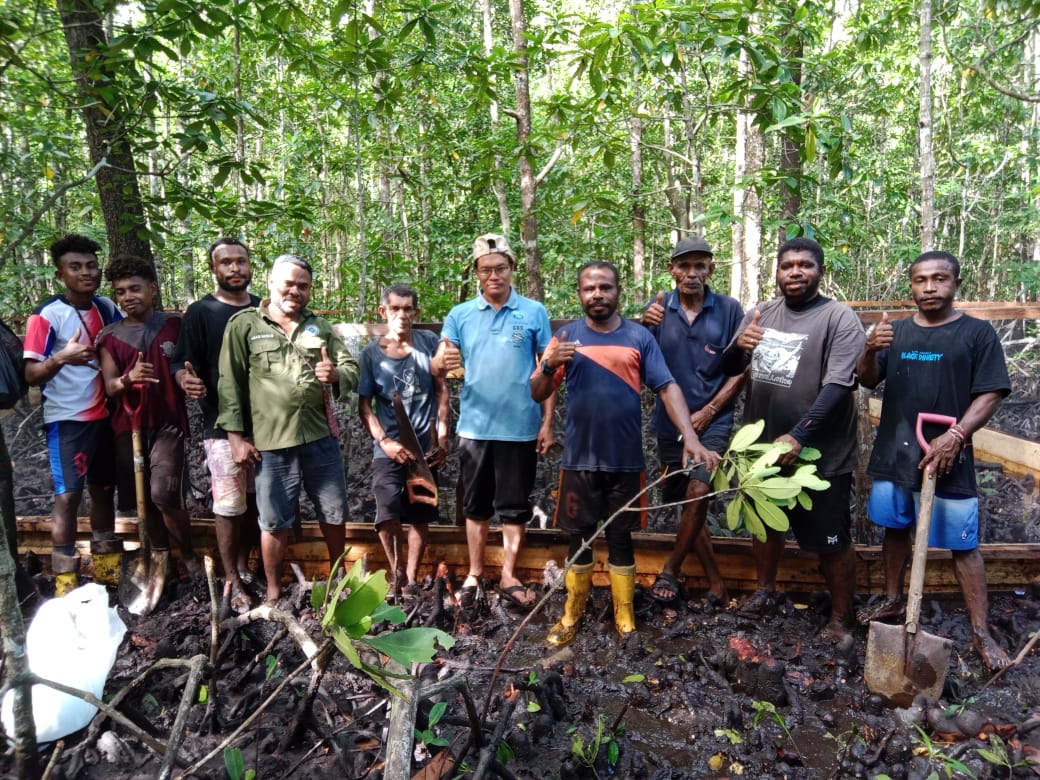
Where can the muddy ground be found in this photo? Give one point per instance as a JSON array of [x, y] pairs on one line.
[[700, 692]]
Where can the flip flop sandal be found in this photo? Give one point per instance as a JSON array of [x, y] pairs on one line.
[[666, 581], [466, 596], [510, 595]]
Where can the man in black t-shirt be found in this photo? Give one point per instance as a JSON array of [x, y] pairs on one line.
[[195, 367], [944, 362]]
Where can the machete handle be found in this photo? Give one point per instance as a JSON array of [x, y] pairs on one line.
[[931, 417]]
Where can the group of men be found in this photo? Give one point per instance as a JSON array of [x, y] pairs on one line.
[[266, 372]]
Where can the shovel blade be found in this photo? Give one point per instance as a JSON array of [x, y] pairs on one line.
[[900, 666], [142, 580]]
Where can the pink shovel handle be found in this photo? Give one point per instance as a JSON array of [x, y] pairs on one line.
[[930, 417]]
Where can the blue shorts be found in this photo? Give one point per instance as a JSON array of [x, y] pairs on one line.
[[80, 453], [316, 467], [955, 519]]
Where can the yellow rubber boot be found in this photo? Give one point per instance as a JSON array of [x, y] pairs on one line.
[[623, 591], [66, 573], [578, 582], [107, 556]]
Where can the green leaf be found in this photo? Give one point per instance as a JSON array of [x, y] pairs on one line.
[[533, 706], [363, 600], [613, 752], [504, 753], [733, 513], [805, 501], [234, 763], [809, 454], [747, 435], [779, 488], [318, 593], [346, 646], [806, 477], [203, 694], [720, 480], [411, 644], [391, 613], [437, 712], [635, 678], [772, 515]]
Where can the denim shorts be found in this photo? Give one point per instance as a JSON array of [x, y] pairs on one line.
[[316, 467], [955, 519]]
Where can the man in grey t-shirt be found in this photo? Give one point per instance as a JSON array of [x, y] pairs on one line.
[[401, 362], [802, 349]]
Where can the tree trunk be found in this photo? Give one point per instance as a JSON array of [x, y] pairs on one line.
[[747, 206], [497, 182], [13, 627], [790, 155], [924, 133], [118, 189], [528, 183], [635, 137]]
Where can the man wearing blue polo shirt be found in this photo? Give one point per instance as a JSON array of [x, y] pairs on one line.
[[499, 336]]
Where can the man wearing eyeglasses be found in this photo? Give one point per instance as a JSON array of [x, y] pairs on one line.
[[499, 336]]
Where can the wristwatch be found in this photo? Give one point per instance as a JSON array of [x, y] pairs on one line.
[[546, 370]]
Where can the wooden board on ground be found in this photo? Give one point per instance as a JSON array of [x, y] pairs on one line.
[[1008, 566]]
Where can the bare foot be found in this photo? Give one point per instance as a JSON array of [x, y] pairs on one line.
[[833, 632], [993, 655], [194, 567], [888, 607]]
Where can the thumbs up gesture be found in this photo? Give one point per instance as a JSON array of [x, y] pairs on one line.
[[190, 382], [559, 351], [654, 314], [880, 336], [751, 336], [326, 370], [448, 358]]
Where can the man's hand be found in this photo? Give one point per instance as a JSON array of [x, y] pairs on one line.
[[76, 353], [325, 371], [943, 455], [751, 336], [654, 314], [190, 382], [142, 372], [880, 336], [242, 450], [436, 457], [396, 451], [701, 419], [447, 359], [696, 452], [561, 352], [788, 457], [545, 440]]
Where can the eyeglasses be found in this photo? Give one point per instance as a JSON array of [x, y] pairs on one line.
[[498, 270]]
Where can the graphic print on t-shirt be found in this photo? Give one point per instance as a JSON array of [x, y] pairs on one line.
[[407, 384], [775, 359]]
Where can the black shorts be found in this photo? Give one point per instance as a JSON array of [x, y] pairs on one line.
[[497, 477], [669, 453], [827, 527], [389, 486], [587, 498], [163, 462]]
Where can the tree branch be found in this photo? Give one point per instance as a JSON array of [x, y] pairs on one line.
[[38, 215]]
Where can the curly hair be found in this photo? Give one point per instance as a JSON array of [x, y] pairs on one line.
[[125, 266], [73, 242]]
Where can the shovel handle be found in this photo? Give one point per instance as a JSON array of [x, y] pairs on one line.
[[915, 593]]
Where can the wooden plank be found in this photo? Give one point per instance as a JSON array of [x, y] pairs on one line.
[[1008, 566], [1017, 456]]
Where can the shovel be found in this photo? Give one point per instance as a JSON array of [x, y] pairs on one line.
[[143, 574], [903, 661]]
